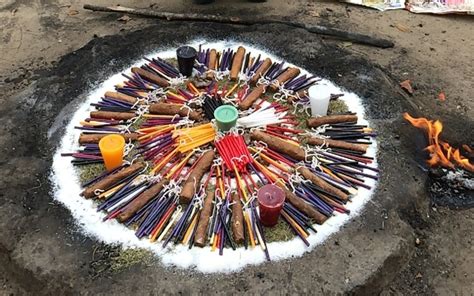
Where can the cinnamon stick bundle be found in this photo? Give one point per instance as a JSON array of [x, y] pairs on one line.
[[248, 101], [289, 74], [95, 138], [237, 220], [111, 180], [279, 145], [203, 223], [192, 182], [151, 77], [303, 206], [121, 97], [319, 182], [237, 63], [337, 144], [211, 65], [173, 109], [330, 119], [141, 200], [112, 115], [261, 71]]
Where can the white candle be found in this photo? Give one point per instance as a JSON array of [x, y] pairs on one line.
[[319, 96]]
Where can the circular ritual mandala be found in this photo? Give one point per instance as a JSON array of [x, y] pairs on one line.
[[221, 169]]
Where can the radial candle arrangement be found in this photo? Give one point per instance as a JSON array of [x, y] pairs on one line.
[[184, 181]]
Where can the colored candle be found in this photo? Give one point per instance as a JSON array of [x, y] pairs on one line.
[[270, 201], [226, 117], [186, 56], [319, 96], [112, 148]]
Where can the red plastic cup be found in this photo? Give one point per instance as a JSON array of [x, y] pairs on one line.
[[270, 201]]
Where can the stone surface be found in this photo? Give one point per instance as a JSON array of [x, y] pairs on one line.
[[369, 251]]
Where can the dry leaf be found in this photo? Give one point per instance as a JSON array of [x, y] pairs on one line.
[[402, 28], [124, 18], [406, 85], [442, 96]]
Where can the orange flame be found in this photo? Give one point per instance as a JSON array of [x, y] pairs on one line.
[[441, 153]]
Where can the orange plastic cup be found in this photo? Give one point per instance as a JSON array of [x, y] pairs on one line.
[[112, 148]]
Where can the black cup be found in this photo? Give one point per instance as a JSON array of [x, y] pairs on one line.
[[186, 56]]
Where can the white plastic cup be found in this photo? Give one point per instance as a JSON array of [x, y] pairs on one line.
[[319, 96]]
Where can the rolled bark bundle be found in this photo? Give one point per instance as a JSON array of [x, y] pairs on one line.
[[111, 180], [237, 220], [330, 119], [141, 200], [252, 97], [261, 71], [112, 115], [203, 223], [192, 182], [95, 138], [211, 65], [150, 77], [307, 174], [303, 206], [279, 145], [290, 73], [173, 109], [337, 144], [121, 97], [237, 63]]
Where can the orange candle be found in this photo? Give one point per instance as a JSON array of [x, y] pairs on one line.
[[112, 148]]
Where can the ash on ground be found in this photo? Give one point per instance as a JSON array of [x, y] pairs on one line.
[[452, 189]]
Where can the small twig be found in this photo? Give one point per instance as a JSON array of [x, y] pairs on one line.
[[316, 29]]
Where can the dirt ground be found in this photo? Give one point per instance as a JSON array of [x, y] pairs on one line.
[[434, 52]]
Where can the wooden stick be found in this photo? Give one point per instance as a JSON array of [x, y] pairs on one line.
[[279, 145], [261, 71], [112, 115], [252, 97], [151, 77], [173, 109], [330, 119], [95, 138], [307, 174], [141, 200], [290, 73], [193, 181], [121, 97], [212, 62], [337, 144], [111, 180], [198, 17], [303, 206], [201, 230], [237, 219], [237, 63]]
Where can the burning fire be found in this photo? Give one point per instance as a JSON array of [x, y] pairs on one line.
[[441, 153]]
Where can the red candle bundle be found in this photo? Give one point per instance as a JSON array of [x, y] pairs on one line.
[[234, 151], [270, 202]]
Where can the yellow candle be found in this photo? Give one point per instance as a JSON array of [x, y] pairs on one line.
[[112, 148]]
